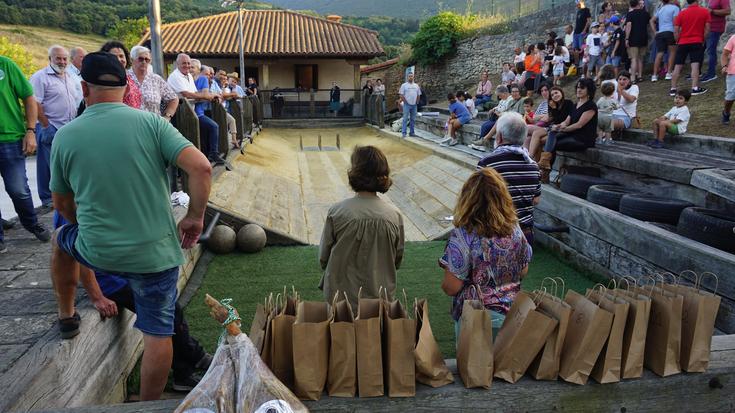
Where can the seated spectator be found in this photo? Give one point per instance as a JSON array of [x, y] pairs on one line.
[[559, 109], [507, 76], [728, 69], [217, 88], [528, 111], [576, 133], [512, 104], [504, 99], [466, 99], [484, 92], [607, 75], [520, 74], [133, 97], [233, 79], [532, 63], [674, 122], [183, 83], [458, 116], [362, 240], [486, 249], [519, 56], [605, 107], [541, 116], [519, 171], [627, 96]]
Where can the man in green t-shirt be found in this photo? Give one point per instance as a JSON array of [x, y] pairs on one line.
[[17, 140], [108, 179]]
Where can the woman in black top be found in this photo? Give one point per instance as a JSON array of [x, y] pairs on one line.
[[559, 110], [576, 133]]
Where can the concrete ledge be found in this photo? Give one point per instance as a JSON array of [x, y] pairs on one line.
[[716, 181], [689, 143], [435, 125], [296, 123]]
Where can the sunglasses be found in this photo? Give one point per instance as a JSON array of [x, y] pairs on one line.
[[144, 59]]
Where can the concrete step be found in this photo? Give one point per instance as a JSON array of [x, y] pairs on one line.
[[716, 181], [435, 126], [689, 143], [481, 115]]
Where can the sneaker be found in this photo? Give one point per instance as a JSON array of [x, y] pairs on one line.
[[3, 247], [453, 142], [217, 159], [7, 224], [445, 140], [403, 136], [41, 233], [698, 91], [672, 92], [413, 135], [649, 143], [725, 118], [654, 78], [656, 144], [204, 362], [480, 148], [668, 76], [186, 384], [479, 142], [69, 327], [705, 79]]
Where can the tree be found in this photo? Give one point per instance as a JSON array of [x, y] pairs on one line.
[[128, 31], [437, 38], [19, 55]]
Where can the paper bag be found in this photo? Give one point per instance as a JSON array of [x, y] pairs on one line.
[[368, 346], [399, 338], [636, 330], [663, 341], [266, 351], [587, 332], [520, 339], [431, 369], [311, 349], [342, 375], [608, 368], [282, 341], [546, 364], [475, 345], [258, 326]]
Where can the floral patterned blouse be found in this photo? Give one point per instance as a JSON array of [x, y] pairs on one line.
[[132, 97], [154, 91], [492, 264]]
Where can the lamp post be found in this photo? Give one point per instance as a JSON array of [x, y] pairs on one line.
[[228, 3], [154, 17]]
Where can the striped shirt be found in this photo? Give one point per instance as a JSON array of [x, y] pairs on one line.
[[522, 178]]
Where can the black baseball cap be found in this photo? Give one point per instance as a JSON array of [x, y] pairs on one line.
[[103, 69]]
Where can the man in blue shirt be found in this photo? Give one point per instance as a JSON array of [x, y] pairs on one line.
[[458, 116]]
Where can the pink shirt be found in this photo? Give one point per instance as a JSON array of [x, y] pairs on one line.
[[485, 88], [730, 47], [717, 24]]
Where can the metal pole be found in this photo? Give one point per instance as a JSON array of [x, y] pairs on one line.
[[242, 46], [154, 17]]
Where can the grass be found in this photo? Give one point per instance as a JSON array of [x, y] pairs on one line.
[[37, 40], [249, 278]]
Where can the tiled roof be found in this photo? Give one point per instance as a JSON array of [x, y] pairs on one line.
[[269, 33], [378, 66]]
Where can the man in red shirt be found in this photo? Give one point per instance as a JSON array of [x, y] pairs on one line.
[[690, 29], [719, 10]]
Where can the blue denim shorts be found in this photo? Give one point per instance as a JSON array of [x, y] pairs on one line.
[[625, 118], [154, 293]]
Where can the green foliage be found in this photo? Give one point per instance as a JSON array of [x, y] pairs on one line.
[[437, 38], [128, 31], [392, 31], [19, 55]]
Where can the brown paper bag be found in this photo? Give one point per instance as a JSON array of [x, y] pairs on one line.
[[546, 364], [636, 330], [699, 312], [399, 336], [258, 326], [663, 342], [311, 349], [266, 351], [608, 368], [587, 332], [282, 340], [475, 345], [368, 345], [431, 369], [520, 339], [342, 375]]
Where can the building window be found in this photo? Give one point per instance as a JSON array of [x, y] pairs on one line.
[[307, 77]]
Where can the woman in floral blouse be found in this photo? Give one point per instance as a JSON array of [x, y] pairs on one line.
[[486, 248], [154, 90], [132, 97]]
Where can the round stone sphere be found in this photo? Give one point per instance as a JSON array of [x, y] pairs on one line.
[[251, 238], [222, 240]]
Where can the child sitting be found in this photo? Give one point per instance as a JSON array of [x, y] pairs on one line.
[[605, 107], [675, 121], [520, 74], [466, 98], [507, 76], [558, 64], [458, 116], [528, 111]]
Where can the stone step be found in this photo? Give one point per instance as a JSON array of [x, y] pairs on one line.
[[689, 143], [716, 181], [481, 115]]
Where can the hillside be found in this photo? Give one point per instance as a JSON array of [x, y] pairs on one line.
[[408, 9]]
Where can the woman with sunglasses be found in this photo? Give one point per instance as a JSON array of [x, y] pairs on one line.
[[154, 89]]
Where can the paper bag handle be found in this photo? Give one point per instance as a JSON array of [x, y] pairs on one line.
[[563, 286], [713, 275], [553, 280], [672, 275], [626, 283]]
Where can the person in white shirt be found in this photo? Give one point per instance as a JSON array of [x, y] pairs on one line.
[[409, 96], [77, 55], [675, 121], [519, 55], [379, 90], [594, 49], [627, 96]]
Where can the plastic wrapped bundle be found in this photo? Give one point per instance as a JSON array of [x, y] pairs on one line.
[[238, 380]]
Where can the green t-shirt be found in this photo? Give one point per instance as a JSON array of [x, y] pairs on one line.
[[114, 159], [13, 87]]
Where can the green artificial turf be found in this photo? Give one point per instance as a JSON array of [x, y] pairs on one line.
[[248, 278]]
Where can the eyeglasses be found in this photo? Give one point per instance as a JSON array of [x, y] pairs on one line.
[[144, 59]]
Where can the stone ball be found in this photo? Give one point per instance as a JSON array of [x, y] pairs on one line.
[[222, 240], [251, 238]]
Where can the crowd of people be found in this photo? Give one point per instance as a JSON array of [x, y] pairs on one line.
[[114, 229]]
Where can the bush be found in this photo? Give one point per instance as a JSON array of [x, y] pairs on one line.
[[19, 55], [128, 31], [437, 38]]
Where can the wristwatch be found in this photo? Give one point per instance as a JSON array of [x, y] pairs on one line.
[[31, 130], [168, 115]]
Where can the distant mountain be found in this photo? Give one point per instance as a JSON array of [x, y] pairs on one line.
[[407, 9]]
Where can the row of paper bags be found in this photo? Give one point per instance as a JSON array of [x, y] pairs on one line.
[[312, 345], [608, 334]]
